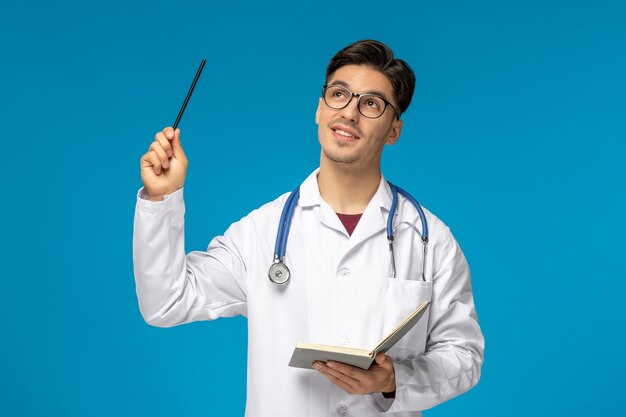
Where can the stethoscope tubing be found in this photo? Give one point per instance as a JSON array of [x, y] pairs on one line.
[[287, 213], [420, 211], [285, 221]]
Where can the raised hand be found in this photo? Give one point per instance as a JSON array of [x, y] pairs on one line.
[[164, 166]]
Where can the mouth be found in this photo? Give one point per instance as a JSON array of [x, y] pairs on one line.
[[344, 133]]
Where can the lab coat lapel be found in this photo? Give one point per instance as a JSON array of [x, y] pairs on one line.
[[310, 196], [374, 219], [329, 218]]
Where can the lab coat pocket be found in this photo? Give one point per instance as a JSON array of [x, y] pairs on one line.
[[402, 298]]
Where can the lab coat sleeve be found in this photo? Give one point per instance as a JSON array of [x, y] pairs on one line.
[[452, 361], [174, 288]]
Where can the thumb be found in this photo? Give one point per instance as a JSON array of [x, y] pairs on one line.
[[177, 148], [380, 358]]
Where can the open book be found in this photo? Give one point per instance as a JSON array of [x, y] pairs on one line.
[[306, 353]]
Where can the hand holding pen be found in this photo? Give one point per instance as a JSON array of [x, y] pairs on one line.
[[164, 166]]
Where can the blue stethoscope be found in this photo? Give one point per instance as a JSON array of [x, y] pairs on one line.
[[279, 273]]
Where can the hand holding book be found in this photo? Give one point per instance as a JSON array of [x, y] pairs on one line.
[[379, 378]]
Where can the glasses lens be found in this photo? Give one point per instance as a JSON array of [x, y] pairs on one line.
[[336, 97], [371, 106]]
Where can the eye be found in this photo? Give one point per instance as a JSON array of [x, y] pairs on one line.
[[373, 104]]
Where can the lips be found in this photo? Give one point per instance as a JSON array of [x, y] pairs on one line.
[[344, 132]]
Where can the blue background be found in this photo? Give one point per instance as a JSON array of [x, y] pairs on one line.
[[515, 138]]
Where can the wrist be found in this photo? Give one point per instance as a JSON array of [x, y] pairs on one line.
[[161, 196], [156, 197], [389, 391]]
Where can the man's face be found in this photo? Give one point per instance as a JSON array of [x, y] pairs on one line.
[[363, 147]]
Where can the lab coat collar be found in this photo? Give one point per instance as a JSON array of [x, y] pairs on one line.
[[374, 217], [310, 193]]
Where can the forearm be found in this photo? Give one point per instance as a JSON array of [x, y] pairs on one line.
[[431, 379], [159, 258], [436, 377]]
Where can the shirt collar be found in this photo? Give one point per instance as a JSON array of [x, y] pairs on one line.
[[310, 193]]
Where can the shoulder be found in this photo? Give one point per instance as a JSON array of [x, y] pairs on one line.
[[264, 217], [441, 242], [269, 209], [437, 229], [446, 251]]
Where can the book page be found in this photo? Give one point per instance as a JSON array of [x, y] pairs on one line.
[[401, 329]]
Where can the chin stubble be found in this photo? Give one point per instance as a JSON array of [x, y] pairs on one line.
[[347, 159]]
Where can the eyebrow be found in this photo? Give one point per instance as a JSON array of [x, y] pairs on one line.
[[345, 84]]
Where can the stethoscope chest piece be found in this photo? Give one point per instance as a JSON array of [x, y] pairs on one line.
[[279, 273]]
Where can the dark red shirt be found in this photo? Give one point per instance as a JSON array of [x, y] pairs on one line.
[[349, 221]]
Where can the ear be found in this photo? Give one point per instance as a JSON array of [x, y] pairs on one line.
[[394, 132], [317, 112]]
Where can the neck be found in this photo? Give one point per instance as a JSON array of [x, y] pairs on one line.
[[347, 189]]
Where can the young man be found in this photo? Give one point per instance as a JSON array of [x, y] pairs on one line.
[[345, 288]]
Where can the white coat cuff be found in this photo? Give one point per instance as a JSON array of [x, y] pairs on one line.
[[386, 405], [378, 400], [169, 201]]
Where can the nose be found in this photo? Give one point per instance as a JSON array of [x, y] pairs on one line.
[[351, 111]]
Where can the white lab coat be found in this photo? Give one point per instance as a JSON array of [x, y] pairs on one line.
[[340, 293]]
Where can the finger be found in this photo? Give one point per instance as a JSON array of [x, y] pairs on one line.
[[351, 371], [341, 384], [165, 144], [177, 146], [169, 133], [380, 358], [145, 160], [338, 379], [326, 370], [158, 149], [154, 160]]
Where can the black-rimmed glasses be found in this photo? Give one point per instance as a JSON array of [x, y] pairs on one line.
[[371, 106]]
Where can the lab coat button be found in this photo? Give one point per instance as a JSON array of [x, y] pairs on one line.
[[343, 341], [342, 409], [344, 272]]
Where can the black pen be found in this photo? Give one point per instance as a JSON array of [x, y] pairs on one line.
[[193, 85]]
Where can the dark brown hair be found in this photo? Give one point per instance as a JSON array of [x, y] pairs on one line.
[[378, 56]]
